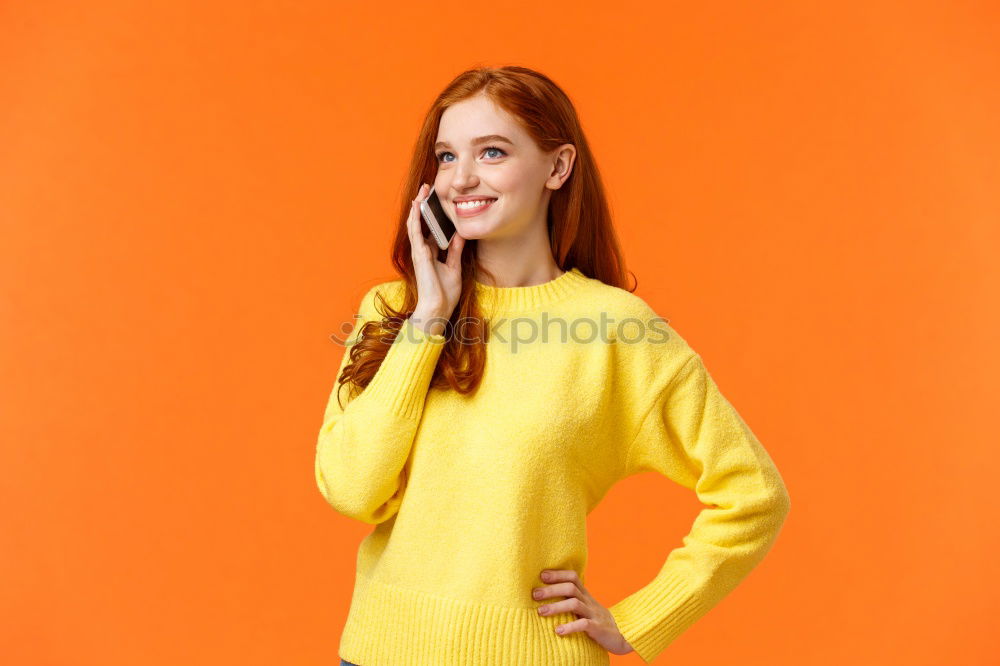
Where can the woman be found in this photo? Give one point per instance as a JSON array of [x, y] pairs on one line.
[[498, 394]]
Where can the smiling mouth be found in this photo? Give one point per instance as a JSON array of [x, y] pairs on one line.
[[473, 206]]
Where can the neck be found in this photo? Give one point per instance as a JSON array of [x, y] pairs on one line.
[[517, 260], [520, 276]]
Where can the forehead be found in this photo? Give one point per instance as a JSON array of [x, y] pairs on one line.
[[477, 116]]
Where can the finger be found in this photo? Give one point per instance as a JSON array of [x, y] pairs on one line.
[[552, 575], [422, 193], [417, 239], [574, 606], [575, 625], [558, 590], [454, 259], [409, 225], [574, 578], [414, 213]]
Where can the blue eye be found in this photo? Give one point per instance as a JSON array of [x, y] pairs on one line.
[[443, 153]]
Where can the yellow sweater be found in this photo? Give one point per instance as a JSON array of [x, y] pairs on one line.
[[473, 496]]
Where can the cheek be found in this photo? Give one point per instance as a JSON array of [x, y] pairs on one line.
[[509, 183]]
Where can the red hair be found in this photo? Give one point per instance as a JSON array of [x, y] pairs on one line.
[[579, 222]]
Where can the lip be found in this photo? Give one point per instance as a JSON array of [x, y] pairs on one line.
[[472, 197], [475, 211]]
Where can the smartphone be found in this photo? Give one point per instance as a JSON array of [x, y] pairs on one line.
[[441, 226]]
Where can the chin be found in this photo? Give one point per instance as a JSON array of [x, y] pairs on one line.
[[474, 231]]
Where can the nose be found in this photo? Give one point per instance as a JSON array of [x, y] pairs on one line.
[[465, 175]]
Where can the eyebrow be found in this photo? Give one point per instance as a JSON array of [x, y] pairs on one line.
[[489, 138]]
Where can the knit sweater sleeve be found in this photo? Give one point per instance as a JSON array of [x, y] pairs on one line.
[[362, 449], [694, 436]]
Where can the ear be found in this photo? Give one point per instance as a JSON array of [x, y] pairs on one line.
[[564, 156]]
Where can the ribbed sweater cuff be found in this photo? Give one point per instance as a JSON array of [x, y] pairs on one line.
[[401, 382], [651, 618]]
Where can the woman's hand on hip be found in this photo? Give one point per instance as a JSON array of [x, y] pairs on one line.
[[594, 618]]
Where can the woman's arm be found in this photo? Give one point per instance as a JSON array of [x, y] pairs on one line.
[[362, 448], [694, 436]]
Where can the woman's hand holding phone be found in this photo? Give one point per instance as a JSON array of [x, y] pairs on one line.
[[439, 284]]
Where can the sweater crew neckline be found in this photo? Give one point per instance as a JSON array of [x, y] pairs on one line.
[[516, 299]]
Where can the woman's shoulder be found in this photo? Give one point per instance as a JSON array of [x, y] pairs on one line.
[[391, 291], [640, 325], [623, 300], [621, 303]]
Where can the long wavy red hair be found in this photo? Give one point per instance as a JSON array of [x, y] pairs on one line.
[[581, 233]]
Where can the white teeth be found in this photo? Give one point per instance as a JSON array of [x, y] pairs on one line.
[[473, 204]]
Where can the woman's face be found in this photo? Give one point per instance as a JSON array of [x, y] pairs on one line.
[[507, 167]]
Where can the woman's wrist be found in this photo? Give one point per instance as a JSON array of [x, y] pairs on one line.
[[430, 323]]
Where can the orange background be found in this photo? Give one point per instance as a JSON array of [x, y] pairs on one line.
[[194, 196]]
